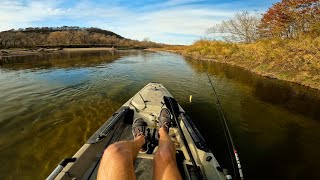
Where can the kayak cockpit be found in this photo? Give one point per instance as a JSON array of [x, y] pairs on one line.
[[193, 155]]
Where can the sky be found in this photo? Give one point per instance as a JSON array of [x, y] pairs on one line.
[[163, 21]]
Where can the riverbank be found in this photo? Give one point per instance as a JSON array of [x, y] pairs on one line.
[[25, 52], [88, 49], [294, 60]]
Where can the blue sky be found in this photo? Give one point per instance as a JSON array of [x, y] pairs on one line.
[[167, 21]]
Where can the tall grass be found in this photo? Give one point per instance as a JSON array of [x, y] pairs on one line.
[[295, 60]]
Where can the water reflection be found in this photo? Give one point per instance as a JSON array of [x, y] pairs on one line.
[[293, 97], [59, 60], [51, 104], [275, 124]]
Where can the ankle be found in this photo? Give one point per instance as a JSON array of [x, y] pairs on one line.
[[140, 137], [163, 130]]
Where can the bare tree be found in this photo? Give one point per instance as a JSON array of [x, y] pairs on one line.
[[242, 27], [146, 39]]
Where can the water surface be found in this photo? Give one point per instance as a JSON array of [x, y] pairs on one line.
[[51, 104]]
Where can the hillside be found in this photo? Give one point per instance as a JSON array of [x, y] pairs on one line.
[[284, 43], [67, 36], [294, 60]]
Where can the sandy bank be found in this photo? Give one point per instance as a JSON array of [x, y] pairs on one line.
[[88, 49], [25, 52]]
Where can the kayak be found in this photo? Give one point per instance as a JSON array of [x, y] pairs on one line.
[[195, 160]]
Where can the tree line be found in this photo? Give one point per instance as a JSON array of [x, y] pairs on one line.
[[285, 19], [67, 35]]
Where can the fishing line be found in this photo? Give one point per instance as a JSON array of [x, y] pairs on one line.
[[227, 133]]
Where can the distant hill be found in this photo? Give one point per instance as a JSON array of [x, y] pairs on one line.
[[47, 30], [67, 36]]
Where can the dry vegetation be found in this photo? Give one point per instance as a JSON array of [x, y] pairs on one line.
[[170, 48], [295, 60], [67, 36], [286, 44]]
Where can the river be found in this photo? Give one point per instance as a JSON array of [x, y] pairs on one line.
[[51, 104]]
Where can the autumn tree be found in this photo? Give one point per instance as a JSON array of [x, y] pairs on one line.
[[242, 27], [56, 38], [81, 37], [290, 18], [66, 35]]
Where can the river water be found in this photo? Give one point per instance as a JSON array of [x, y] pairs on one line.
[[51, 104]]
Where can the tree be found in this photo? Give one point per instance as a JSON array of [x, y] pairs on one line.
[[146, 39], [290, 18], [242, 27], [58, 37], [66, 35]]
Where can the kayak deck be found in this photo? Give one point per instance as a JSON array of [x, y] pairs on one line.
[[146, 104], [143, 166]]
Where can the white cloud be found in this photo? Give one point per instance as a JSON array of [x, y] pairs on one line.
[[16, 14], [173, 21], [157, 24]]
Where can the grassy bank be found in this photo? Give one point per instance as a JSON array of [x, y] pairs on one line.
[[294, 60]]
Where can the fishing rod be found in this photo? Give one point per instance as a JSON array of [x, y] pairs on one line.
[[227, 133], [173, 107]]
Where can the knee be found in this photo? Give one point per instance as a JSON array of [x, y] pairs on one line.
[[166, 155], [117, 150]]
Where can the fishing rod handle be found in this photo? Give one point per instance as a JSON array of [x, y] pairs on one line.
[[239, 164]]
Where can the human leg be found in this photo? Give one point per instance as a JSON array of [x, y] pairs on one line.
[[117, 160], [164, 162]]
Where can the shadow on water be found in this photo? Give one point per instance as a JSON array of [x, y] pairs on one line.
[[274, 123], [211, 130], [294, 97]]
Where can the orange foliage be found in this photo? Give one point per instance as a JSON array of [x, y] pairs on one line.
[[290, 18]]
